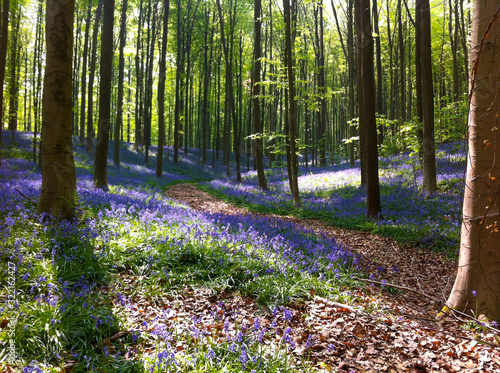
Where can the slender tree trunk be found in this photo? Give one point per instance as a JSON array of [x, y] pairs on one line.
[[352, 61], [429, 148], [289, 10], [84, 74], [378, 48], [161, 90], [178, 83], [257, 53], [37, 78], [139, 78], [90, 100], [231, 111], [58, 192], [418, 76], [4, 39], [14, 70], [361, 112], [106, 72], [121, 77], [477, 285]]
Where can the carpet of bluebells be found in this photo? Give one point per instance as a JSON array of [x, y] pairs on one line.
[[334, 194], [77, 295]]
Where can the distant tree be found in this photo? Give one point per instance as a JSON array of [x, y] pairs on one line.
[[84, 72], [106, 70], [230, 104], [161, 90], [58, 192], [477, 285], [93, 60], [289, 9], [257, 53], [4, 39], [121, 77]]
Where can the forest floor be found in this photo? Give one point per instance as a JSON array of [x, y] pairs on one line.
[[387, 328]]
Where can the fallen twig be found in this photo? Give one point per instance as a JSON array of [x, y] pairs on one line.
[[384, 284], [25, 196]]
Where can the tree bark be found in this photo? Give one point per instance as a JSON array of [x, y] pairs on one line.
[[106, 71], [90, 100], [477, 285], [231, 110], [257, 53], [58, 192], [121, 77], [161, 90], [429, 148], [84, 74], [292, 104], [368, 122], [4, 38]]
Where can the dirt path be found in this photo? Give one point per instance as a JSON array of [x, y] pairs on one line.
[[401, 333]]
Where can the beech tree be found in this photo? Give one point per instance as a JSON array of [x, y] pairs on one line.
[[106, 69], [4, 30], [58, 193], [477, 285], [259, 155]]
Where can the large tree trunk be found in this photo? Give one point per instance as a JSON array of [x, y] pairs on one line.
[[429, 148], [58, 193], [257, 53], [104, 126], [368, 122], [161, 90], [477, 286]]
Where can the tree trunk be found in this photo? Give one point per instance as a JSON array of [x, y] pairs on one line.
[[58, 192], [121, 77], [178, 84], [292, 104], [257, 53], [161, 90], [231, 110], [106, 72], [477, 285], [367, 91], [84, 74], [320, 61], [358, 22], [4, 39], [429, 148], [90, 100]]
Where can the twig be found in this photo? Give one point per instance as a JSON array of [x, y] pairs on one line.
[[460, 336], [395, 286], [25, 196]]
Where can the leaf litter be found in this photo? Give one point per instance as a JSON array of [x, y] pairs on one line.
[[382, 330]]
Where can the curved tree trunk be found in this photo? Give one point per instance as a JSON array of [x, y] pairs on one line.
[[58, 193], [477, 286]]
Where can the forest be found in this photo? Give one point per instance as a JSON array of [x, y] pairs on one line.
[[261, 186]]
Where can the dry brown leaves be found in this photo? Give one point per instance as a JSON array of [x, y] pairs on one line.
[[382, 331]]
